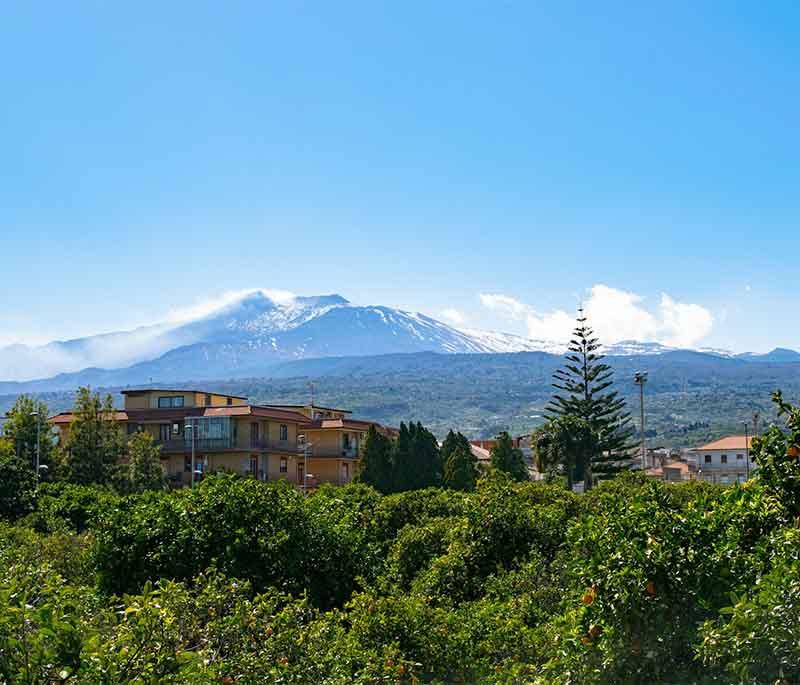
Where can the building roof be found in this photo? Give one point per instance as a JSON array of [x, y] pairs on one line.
[[175, 414], [307, 406], [681, 466], [136, 391], [732, 442]]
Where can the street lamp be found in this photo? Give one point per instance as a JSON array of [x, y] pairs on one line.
[[191, 426], [747, 453], [38, 428], [306, 449], [640, 378]]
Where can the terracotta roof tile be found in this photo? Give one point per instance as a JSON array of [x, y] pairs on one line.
[[732, 442]]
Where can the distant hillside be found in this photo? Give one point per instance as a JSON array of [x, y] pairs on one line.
[[690, 397]]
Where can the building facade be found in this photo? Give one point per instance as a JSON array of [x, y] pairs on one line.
[[726, 461], [302, 444]]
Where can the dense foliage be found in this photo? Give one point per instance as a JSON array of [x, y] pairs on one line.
[[240, 581]]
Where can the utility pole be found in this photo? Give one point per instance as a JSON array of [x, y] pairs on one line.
[[756, 417], [640, 378], [311, 385]]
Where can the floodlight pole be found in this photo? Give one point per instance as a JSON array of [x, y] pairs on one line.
[[640, 378]]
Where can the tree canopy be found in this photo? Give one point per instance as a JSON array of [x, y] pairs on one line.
[[509, 459]]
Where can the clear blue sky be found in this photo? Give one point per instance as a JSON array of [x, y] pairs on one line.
[[408, 154]]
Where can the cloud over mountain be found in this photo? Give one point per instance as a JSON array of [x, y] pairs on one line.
[[615, 315]]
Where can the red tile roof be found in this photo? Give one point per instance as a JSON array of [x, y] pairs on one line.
[[732, 442]]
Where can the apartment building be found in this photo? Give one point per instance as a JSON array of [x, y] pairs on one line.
[[725, 461], [298, 443]]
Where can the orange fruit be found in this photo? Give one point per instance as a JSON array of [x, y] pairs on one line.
[[793, 452], [594, 631], [650, 587]]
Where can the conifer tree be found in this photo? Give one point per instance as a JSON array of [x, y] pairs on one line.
[[461, 470], [95, 442], [584, 390], [509, 459], [417, 460], [460, 464], [144, 463], [376, 461]]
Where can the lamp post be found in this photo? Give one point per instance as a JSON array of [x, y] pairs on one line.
[[192, 427], [306, 448], [640, 378], [38, 442], [747, 453]]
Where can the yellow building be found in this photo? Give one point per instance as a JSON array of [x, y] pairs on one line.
[[267, 442]]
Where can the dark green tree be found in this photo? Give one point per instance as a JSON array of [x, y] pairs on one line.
[[27, 417], [460, 464], [144, 463], [584, 390], [376, 461], [509, 459], [417, 460], [95, 442], [17, 483]]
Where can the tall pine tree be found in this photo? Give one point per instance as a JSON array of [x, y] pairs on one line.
[[584, 390]]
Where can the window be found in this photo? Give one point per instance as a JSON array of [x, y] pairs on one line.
[[284, 467], [254, 464], [708, 459], [132, 428], [739, 457], [164, 431], [284, 435], [170, 402], [176, 428], [187, 464], [723, 458], [346, 441], [230, 401], [300, 473], [346, 472], [208, 400], [253, 433]]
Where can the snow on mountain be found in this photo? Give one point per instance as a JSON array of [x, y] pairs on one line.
[[493, 341]]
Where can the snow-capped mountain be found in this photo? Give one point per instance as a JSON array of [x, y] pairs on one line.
[[256, 330]]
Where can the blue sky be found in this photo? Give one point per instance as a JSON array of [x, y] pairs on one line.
[[418, 155]]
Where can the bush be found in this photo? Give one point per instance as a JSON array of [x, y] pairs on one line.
[[65, 506]]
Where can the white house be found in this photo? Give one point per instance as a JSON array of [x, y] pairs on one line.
[[725, 461]]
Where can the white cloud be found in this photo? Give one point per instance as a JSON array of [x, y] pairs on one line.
[[206, 306], [453, 316], [615, 315]]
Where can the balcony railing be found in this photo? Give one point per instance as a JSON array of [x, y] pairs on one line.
[[283, 445], [341, 452], [202, 444]]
